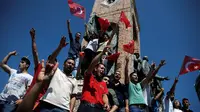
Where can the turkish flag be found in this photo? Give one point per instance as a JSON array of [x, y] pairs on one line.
[[113, 57], [76, 9], [124, 19], [129, 47], [189, 64], [104, 23]]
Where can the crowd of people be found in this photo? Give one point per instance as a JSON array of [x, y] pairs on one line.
[[51, 89]]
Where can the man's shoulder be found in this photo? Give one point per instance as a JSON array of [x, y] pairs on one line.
[[27, 75]]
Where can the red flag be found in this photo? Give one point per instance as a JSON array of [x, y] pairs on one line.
[[76, 9], [124, 19], [129, 47], [189, 64], [81, 54], [113, 57], [104, 23]]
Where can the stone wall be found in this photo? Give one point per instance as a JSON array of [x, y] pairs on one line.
[[125, 35]]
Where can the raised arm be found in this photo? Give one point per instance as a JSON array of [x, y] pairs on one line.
[[53, 57], [126, 71], [29, 100], [62, 44], [69, 31], [173, 87], [34, 47], [152, 73], [159, 94], [96, 60], [4, 65]]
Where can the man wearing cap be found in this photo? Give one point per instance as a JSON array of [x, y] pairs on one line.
[[19, 81]]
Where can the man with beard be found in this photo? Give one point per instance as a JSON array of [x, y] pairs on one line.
[[136, 98], [94, 93], [61, 93], [121, 91], [186, 104]]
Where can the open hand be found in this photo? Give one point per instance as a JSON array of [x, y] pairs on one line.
[[47, 71], [63, 42], [162, 62]]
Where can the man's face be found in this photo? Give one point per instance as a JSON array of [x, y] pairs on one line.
[[22, 65], [186, 103], [176, 103], [117, 75], [100, 70], [134, 77], [78, 36], [68, 66], [106, 80]]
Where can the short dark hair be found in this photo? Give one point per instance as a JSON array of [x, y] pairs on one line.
[[184, 99], [99, 64], [26, 60], [133, 73], [69, 58]]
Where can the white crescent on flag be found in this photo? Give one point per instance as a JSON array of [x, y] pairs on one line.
[[186, 66], [80, 10]]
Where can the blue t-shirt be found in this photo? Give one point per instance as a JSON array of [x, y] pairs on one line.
[[16, 86]]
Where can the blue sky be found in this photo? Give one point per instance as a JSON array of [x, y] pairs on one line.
[[168, 31]]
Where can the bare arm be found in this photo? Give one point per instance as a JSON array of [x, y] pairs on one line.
[[72, 103], [115, 100], [159, 94], [29, 100], [96, 60], [126, 71], [34, 47], [152, 73], [173, 87], [53, 57], [4, 65], [106, 102], [62, 44], [126, 106], [114, 108]]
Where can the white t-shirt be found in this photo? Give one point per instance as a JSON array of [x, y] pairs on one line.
[[168, 107], [93, 45], [60, 89], [147, 95], [16, 87], [177, 110]]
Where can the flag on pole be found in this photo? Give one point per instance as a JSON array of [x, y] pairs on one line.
[[189, 64], [104, 23], [113, 57], [76, 9], [129, 47], [124, 19]]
